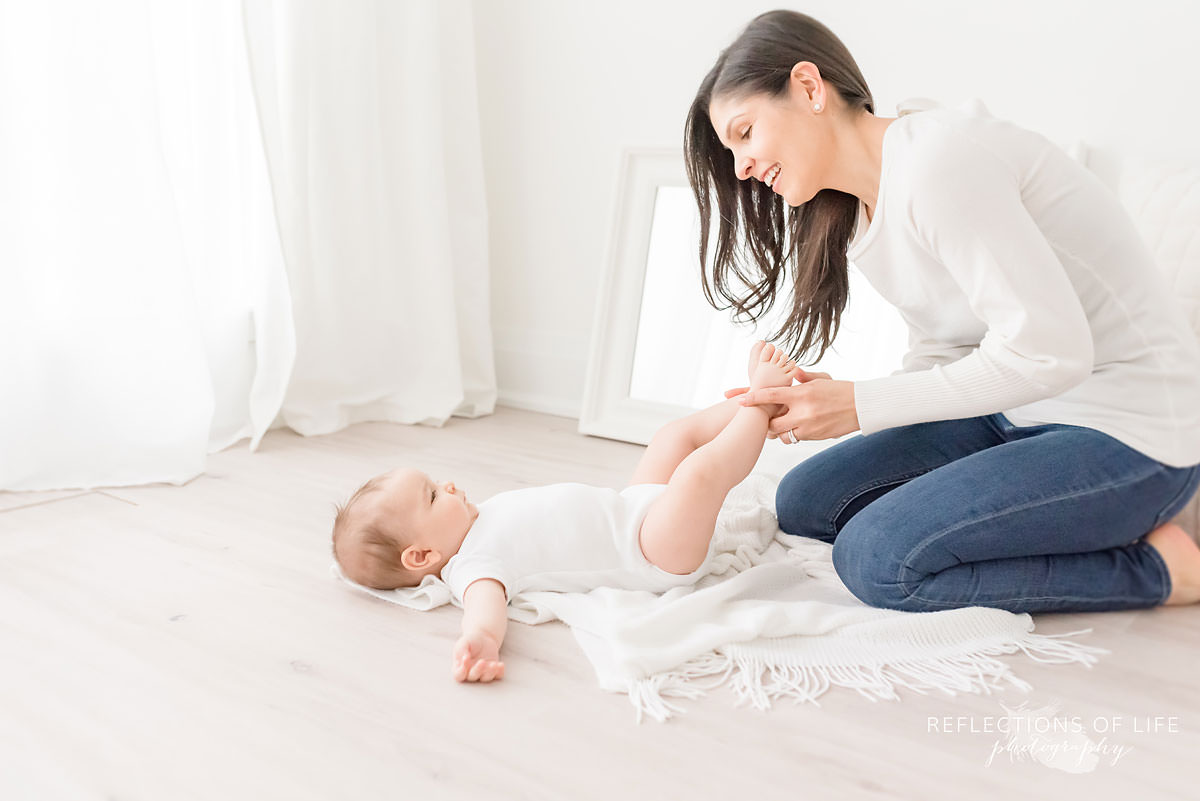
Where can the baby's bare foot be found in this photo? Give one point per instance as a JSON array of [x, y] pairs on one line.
[[755, 350], [774, 368]]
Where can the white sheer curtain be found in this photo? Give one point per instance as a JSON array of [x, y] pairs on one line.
[[216, 218], [370, 119]]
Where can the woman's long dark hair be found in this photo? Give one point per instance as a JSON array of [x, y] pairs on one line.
[[813, 237]]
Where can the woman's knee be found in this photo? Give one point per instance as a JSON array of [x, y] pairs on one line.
[[827, 489], [862, 563], [818, 496], [799, 506]]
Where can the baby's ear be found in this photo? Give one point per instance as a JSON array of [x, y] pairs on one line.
[[415, 559]]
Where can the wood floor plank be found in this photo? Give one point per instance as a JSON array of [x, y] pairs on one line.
[[15, 500]]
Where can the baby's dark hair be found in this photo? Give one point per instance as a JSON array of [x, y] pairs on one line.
[[378, 559]]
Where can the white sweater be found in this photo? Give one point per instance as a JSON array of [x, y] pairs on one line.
[[1026, 289]]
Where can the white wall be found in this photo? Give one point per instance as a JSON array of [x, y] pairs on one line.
[[564, 85]]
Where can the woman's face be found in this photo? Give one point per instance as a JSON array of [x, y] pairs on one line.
[[778, 139]]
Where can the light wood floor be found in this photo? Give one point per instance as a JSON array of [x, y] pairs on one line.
[[165, 642]]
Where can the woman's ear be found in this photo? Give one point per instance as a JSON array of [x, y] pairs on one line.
[[806, 85]]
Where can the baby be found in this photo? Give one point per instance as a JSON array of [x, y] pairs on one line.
[[655, 534]]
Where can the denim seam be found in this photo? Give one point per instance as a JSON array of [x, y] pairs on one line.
[[1156, 558], [996, 427], [1068, 598], [932, 538], [860, 491]]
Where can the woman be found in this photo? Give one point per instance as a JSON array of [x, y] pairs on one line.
[[1045, 425]]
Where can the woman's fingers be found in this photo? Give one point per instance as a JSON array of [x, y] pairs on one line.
[[780, 427], [767, 395], [803, 375]]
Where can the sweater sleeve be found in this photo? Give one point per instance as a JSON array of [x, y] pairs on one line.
[[925, 352], [966, 208]]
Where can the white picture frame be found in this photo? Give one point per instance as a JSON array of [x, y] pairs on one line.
[[608, 410]]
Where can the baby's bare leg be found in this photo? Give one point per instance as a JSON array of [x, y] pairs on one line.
[[676, 532], [679, 526], [675, 441]]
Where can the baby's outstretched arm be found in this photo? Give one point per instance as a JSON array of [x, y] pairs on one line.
[[485, 619]]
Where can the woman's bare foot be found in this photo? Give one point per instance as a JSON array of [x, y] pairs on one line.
[[1183, 562]]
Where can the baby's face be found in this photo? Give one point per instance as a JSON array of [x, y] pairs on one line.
[[433, 514]]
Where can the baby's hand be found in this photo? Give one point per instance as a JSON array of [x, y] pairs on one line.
[[477, 658]]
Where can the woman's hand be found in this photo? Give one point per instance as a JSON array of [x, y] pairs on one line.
[[817, 409], [803, 376], [477, 658], [800, 374]]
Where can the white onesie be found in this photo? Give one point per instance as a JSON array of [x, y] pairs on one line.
[[563, 537]]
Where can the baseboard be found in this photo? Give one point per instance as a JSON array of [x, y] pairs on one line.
[[538, 403]]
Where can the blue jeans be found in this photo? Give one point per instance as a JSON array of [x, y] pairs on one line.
[[980, 512]]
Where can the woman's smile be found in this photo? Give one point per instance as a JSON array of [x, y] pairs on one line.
[[772, 176]]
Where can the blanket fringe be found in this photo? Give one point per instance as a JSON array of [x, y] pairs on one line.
[[759, 679]]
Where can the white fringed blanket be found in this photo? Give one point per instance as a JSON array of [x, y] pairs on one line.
[[773, 620]]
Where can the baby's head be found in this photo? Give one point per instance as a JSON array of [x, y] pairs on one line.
[[399, 527]]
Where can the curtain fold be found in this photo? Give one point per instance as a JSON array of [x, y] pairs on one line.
[[220, 217], [104, 369], [221, 195], [370, 124]]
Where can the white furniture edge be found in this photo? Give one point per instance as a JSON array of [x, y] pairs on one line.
[[608, 410]]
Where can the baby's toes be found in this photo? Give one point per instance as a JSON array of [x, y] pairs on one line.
[[768, 352], [755, 351]]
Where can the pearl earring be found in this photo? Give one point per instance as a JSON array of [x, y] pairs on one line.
[[817, 107]]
